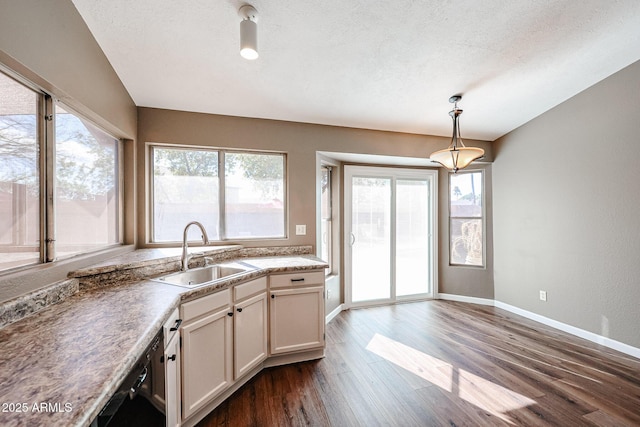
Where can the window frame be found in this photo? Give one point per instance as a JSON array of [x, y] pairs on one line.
[[119, 177], [329, 243], [46, 146], [481, 218], [150, 214]]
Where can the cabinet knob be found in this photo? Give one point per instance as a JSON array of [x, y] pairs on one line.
[[230, 314], [239, 309], [171, 357], [273, 296]]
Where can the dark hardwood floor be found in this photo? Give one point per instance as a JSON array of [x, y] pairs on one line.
[[440, 363]]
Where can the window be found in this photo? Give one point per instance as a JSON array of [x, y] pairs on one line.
[[466, 218], [19, 175], [254, 195], [80, 163], [326, 216], [86, 190], [235, 195], [185, 188]]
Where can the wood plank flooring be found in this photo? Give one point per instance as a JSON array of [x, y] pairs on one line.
[[442, 363]]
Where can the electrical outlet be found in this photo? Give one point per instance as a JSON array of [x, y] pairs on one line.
[[543, 295], [301, 230]]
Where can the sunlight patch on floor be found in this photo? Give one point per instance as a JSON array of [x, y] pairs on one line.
[[484, 394]]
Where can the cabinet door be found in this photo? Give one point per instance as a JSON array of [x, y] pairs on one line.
[[159, 361], [297, 319], [172, 381], [206, 360], [250, 334]]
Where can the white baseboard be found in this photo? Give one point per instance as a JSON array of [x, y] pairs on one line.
[[463, 298], [334, 313], [590, 336]]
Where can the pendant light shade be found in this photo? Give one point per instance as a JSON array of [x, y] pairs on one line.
[[456, 156], [248, 32]]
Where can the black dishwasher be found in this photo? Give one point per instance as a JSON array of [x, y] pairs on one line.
[[132, 383]]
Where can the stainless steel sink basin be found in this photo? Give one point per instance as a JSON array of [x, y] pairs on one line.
[[202, 276]]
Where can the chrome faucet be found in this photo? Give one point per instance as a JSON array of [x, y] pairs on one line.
[[185, 255]]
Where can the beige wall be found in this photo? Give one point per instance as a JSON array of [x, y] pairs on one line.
[[567, 211], [301, 142], [48, 44]]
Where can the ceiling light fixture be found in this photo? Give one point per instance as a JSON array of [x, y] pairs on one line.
[[248, 32], [456, 156]]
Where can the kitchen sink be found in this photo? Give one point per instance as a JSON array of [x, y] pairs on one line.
[[203, 275]]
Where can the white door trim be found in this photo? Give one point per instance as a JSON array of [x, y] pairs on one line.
[[392, 173]]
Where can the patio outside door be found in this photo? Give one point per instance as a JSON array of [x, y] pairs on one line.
[[390, 237]]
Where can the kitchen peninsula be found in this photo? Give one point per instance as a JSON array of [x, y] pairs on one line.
[[61, 364]]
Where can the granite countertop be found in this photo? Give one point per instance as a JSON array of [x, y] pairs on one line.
[[62, 364], [153, 257]]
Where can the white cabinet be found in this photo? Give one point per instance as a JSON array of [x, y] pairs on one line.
[[172, 361], [225, 335], [296, 312], [250, 326], [221, 342], [165, 372], [206, 350]]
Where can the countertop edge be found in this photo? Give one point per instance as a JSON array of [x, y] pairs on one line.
[[33, 302]]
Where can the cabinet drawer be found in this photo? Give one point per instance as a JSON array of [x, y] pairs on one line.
[[191, 310], [296, 279], [249, 289]]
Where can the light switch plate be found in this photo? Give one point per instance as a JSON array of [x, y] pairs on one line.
[[543, 295], [301, 230]]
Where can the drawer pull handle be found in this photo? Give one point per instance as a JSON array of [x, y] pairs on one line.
[[298, 280], [230, 314], [171, 357], [177, 325], [239, 309], [143, 376]]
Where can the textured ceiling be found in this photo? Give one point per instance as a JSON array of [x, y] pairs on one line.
[[376, 64]]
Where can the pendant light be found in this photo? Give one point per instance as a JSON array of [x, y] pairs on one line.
[[456, 156], [248, 32]]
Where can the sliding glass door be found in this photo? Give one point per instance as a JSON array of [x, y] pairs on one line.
[[413, 237], [370, 237], [390, 234]]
